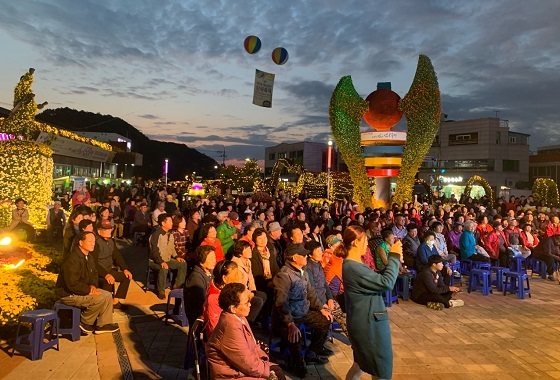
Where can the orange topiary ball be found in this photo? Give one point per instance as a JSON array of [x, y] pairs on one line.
[[383, 113]]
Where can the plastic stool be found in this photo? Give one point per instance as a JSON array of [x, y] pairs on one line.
[[64, 311], [151, 279], [516, 284], [539, 267], [466, 266], [480, 265], [480, 280], [499, 282], [390, 296], [176, 312], [403, 286], [37, 341], [516, 264]]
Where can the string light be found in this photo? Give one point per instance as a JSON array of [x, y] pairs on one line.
[[422, 108], [485, 185], [546, 189], [345, 112]]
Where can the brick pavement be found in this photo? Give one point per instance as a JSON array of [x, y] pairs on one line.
[[492, 337]]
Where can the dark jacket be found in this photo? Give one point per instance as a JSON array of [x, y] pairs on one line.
[[195, 291], [421, 258], [67, 239], [104, 248], [294, 295], [258, 270], [428, 282], [318, 280], [76, 275]]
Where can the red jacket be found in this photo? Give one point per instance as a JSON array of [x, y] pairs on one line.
[[551, 230], [492, 243], [523, 236], [212, 309]]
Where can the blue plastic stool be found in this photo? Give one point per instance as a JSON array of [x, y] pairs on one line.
[[539, 267], [480, 280], [499, 281], [516, 264], [176, 311], [37, 341], [466, 266], [73, 328], [403, 286], [151, 279], [515, 282], [480, 265], [390, 296]]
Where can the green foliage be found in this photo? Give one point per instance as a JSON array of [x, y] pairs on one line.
[[422, 108], [545, 189], [345, 112], [243, 178]]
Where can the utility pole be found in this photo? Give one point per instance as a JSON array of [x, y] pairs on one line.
[[223, 156]]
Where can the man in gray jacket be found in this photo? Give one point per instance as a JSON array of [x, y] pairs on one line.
[[163, 256], [296, 303]]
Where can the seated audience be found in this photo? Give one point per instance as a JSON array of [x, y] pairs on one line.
[[76, 285], [198, 282], [232, 350], [467, 244], [429, 288], [20, 220]]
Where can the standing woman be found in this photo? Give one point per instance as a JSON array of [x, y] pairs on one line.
[[366, 315]]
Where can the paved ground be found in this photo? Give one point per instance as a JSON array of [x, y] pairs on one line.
[[492, 337]]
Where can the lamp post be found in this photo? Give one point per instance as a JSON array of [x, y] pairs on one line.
[[166, 170], [329, 164]]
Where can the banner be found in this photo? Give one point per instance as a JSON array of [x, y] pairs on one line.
[[79, 182], [70, 148], [262, 95]]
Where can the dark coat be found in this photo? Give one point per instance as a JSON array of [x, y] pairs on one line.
[[366, 315], [109, 244], [76, 275], [195, 291], [258, 270], [428, 282]]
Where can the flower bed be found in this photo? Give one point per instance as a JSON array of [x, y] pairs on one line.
[[31, 286]]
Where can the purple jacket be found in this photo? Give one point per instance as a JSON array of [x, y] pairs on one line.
[[233, 353]]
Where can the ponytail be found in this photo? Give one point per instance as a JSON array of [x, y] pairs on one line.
[[341, 251]]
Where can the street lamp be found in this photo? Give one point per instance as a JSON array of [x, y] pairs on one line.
[[166, 170], [329, 164]]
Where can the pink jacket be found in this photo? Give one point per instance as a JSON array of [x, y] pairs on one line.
[[233, 353]]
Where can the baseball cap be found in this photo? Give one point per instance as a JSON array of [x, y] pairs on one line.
[[333, 239], [295, 249], [104, 224], [233, 216], [456, 224], [274, 226]]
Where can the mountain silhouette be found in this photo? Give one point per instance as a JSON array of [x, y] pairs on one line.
[[182, 159]]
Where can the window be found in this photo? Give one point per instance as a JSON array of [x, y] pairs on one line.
[[271, 156], [293, 154], [510, 165], [498, 139], [281, 155], [512, 139], [299, 153], [463, 139]]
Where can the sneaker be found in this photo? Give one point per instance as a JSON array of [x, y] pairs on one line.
[[551, 278], [456, 303], [435, 305], [108, 328], [456, 274], [326, 352], [88, 329]]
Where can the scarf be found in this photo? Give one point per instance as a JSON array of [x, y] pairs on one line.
[[266, 263]]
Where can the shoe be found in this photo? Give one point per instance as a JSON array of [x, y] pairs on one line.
[[456, 303], [88, 329], [435, 305], [456, 274], [312, 357], [298, 371], [161, 296], [551, 278], [108, 328], [326, 352]]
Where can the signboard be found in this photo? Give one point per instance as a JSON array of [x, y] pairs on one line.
[[70, 148], [262, 94], [384, 137], [79, 182]]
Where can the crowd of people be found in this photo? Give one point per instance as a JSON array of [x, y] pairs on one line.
[[284, 263]]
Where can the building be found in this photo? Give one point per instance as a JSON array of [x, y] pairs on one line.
[[485, 147], [125, 160], [545, 164], [311, 155]]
